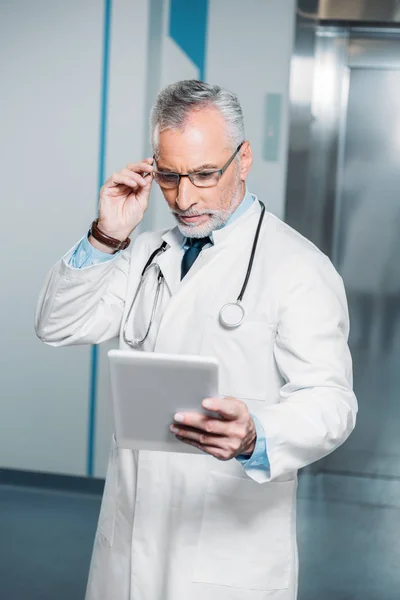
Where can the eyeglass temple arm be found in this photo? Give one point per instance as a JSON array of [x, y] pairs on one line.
[[147, 173], [222, 171]]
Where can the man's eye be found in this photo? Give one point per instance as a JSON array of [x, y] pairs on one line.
[[167, 176], [204, 175]]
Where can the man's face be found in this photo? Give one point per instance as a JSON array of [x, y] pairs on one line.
[[202, 145]]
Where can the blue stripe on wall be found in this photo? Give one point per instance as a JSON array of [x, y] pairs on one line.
[[188, 28], [102, 156]]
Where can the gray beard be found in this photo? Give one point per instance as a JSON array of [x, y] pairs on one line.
[[218, 218]]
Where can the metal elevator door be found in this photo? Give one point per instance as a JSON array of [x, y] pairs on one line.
[[344, 195], [365, 240]]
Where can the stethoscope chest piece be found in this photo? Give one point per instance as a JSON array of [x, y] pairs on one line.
[[231, 315]]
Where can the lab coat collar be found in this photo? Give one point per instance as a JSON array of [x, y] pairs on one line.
[[173, 237], [221, 235]]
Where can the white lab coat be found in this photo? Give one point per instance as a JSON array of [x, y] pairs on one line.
[[190, 527]]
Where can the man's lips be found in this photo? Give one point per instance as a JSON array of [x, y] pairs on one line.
[[194, 219]]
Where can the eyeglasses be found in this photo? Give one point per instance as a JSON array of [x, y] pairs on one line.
[[202, 179]]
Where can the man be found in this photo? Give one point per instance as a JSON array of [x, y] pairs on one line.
[[220, 524]]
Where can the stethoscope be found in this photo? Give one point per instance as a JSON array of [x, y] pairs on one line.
[[231, 315]]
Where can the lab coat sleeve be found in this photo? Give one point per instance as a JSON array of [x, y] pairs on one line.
[[83, 306], [316, 409]]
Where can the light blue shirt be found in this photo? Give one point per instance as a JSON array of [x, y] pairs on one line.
[[86, 255]]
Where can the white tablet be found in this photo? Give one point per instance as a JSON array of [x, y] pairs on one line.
[[148, 388]]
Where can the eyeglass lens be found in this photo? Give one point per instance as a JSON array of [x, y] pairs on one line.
[[201, 179]]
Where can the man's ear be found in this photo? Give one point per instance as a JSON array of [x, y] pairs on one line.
[[246, 160]]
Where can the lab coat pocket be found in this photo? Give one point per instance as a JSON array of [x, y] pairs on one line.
[[246, 534], [245, 356], [106, 523]]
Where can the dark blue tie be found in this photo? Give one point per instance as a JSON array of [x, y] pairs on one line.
[[195, 247]]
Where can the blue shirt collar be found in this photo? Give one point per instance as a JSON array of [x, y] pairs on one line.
[[247, 201]]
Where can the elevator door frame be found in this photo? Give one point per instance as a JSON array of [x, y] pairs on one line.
[[338, 50]]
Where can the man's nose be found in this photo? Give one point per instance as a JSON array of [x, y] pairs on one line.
[[185, 194]]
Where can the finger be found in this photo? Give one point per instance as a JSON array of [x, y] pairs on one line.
[[122, 191], [148, 177], [200, 437], [140, 167], [136, 176], [192, 419], [228, 408], [123, 179], [216, 452], [202, 422], [145, 170]]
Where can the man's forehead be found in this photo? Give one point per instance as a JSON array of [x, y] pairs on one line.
[[193, 146], [203, 129]]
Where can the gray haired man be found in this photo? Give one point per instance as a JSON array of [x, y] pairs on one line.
[[219, 524]]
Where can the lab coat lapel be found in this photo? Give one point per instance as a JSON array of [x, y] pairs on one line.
[[170, 260], [225, 239]]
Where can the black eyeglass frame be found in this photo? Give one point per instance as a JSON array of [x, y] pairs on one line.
[[190, 175]]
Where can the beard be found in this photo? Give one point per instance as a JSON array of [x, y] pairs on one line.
[[217, 218]]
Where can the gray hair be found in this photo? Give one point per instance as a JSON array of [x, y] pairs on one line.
[[174, 104]]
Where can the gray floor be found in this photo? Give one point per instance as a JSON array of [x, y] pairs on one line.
[[45, 543], [349, 533]]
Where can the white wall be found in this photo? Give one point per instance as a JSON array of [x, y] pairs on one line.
[[249, 50], [51, 73], [52, 55]]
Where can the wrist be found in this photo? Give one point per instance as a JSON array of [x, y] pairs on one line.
[[112, 243], [99, 246], [118, 234], [248, 451]]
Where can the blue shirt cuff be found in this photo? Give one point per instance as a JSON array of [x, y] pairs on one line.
[[259, 458], [86, 255]]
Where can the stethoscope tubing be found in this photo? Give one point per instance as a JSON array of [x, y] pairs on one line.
[[253, 253], [162, 249], [157, 251], [133, 343]]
